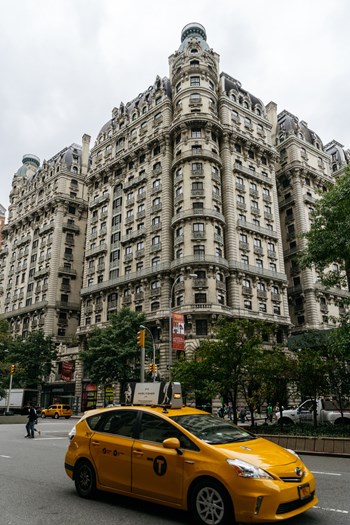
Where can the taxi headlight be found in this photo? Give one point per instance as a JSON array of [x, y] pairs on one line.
[[293, 452], [247, 470]]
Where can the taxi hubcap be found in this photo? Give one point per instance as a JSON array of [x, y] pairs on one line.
[[85, 478], [210, 506]]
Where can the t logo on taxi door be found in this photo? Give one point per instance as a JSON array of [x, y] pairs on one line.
[[159, 465]]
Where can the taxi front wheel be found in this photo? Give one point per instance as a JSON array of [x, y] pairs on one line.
[[85, 479], [210, 504]]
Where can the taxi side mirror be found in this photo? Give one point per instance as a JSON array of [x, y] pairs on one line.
[[172, 443]]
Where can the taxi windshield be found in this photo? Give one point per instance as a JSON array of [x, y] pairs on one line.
[[212, 429]]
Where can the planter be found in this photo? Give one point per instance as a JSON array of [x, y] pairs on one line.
[[312, 444]]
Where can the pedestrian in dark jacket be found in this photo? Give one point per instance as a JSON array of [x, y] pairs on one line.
[[32, 417]]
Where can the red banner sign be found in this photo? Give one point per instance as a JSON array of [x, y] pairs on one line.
[[178, 332], [67, 370]]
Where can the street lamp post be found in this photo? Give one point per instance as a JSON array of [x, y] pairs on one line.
[[154, 349], [192, 275]]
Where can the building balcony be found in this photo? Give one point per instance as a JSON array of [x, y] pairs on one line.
[[98, 201], [198, 235], [196, 213], [71, 227], [156, 247], [256, 270], [63, 305], [199, 258], [134, 182], [253, 174], [96, 249], [46, 228], [41, 273], [141, 232], [156, 189], [200, 283]]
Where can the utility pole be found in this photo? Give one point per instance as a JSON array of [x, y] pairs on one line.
[[141, 344]]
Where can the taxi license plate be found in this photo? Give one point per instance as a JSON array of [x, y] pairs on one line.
[[304, 491]]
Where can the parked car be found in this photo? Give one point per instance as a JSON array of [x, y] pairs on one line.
[[327, 411], [187, 459], [56, 411]]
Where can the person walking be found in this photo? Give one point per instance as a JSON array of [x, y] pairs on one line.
[[242, 415], [269, 411], [32, 418]]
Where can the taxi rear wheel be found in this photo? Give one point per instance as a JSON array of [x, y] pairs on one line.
[[56, 415], [85, 479], [210, 504]]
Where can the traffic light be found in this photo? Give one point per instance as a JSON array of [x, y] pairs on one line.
[[12, 369], [141, 338], [152, 368]]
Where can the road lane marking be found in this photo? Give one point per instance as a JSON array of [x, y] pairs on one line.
[[326, 473], [328, 509], [3, 456]]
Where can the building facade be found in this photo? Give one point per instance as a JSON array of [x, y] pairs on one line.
[[43, 252], [182, 184], [190, 202], [2, 223], [304, 171]]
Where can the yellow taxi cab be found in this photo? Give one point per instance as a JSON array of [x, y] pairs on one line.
[[56, 411], [156, 449]]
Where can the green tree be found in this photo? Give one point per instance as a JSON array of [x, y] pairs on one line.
[[112, 354], [33, 357], [219, 365], [338, 361], [194, 378], [277, 369], [312, 368], [328, 240], [5, 338]]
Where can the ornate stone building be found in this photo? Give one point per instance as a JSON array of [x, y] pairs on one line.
[[2, 223], [183, 208], [304, 171], [192, 202], [43, 252]]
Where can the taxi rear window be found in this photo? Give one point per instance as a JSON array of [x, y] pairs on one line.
[[121, 423], [66, 407]]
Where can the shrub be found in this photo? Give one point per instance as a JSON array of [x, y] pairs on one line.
[[327, 430]]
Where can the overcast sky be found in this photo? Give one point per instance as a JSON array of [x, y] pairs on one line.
[[65, 64]]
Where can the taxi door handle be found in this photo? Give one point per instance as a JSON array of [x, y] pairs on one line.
[[95, 443], [138, 452]]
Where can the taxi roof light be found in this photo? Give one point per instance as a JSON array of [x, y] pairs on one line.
[[165, 394]]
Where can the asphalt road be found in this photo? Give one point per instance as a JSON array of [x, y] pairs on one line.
[[35, 490]]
